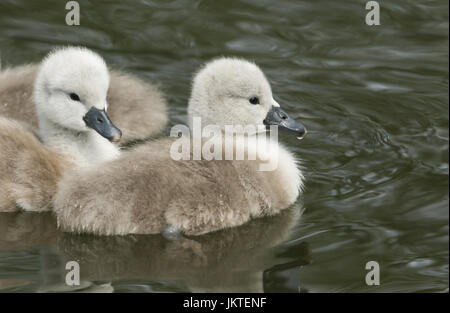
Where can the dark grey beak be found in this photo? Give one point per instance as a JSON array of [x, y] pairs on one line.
[[276, 116], [100, 122]]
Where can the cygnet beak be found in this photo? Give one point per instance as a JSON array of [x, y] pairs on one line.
[[101, 123], [276, 116]]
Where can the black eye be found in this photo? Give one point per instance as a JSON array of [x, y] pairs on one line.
[[74, 97], [254, 100]]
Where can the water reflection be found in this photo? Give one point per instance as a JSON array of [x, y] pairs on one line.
[[26, 229], [227, 261]]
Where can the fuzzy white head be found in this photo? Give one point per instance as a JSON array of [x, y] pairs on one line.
[[229, 91], [76, 72], [71, 82]]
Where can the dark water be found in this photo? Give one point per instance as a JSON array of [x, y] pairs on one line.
[[374, 99]]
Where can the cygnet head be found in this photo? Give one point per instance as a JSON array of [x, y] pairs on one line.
[[230, 91], [70, 92]]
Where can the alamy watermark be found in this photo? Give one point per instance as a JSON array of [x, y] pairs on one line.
[[373, 16], [373, 276], [73, 274], [73, 16], [231, 142]]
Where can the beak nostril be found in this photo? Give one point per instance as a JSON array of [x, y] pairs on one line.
[[99, 120]]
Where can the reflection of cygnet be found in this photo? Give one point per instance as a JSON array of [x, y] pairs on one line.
[[231, 260], [146, 191], [70, 98]]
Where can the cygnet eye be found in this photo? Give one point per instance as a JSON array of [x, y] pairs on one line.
[[74, 97], [254, 100]]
